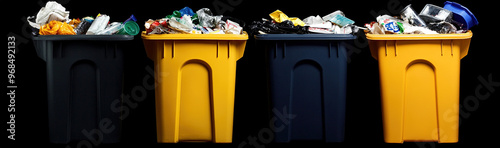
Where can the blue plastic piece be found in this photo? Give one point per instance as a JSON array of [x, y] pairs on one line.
[[186, 10], [131, 18], [461, 14], [307, 78]]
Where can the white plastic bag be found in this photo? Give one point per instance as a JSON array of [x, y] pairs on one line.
[[98, 25], [51, 11]]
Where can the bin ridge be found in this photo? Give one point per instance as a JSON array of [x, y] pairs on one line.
[[196, 106]]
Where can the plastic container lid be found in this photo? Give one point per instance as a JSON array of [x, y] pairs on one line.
[[129, 28], [305, 37], [461, 14]]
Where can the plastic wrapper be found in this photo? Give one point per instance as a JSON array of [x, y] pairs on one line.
[[206, 18], [409, 15], [50, 28], [98, 25], [433, 14], [280, 17], [390, 24], [56, 28], [157, 27], [111, 29], [186, 20], [74, 22], [331, 15], [66, 29], [263, 27], [443, 27], [313, 20], [341, 20], [288, 26], [175, 25], [186, 11], [83, 26], [374, 28], [175, 14], [232, 27], [88, 19], [297, 21], [324, 27]]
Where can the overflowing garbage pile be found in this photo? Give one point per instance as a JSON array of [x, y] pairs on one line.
[[452, 18], [53, 19], [185, 21], [333, 23]]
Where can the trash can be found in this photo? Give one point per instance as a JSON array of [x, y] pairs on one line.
[[419, 79], [195, 79], [307, 79], [84, 78]]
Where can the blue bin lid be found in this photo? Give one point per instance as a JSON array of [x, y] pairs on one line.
[[305, 37], [461, 14]]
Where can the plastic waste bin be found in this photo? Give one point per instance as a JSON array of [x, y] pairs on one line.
[[195, 79], [419, 78], [307, 78], [84, 78]]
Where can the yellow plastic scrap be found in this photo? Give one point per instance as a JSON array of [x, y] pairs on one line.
[[279, 17], [74, 23], [56, 28], [66, 29], [297, 21], [50, 28]]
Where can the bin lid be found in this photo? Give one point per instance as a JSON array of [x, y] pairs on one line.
[[84, 37], [466, 35], [243, 36], [305, 37]]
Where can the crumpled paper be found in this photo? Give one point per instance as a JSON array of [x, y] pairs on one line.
[[51, 11]]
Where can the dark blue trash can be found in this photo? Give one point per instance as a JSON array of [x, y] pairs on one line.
[[307, 77]]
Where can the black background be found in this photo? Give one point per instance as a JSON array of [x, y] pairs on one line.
[[363, 119]]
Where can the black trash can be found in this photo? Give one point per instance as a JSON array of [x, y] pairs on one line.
[[84, 81]]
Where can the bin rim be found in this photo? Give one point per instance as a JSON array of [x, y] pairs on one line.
[[243, 36], [84, 37], [466, 35], [305, 37]]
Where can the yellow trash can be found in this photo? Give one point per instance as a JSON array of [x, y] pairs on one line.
[[419, 79], [195, 80]]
